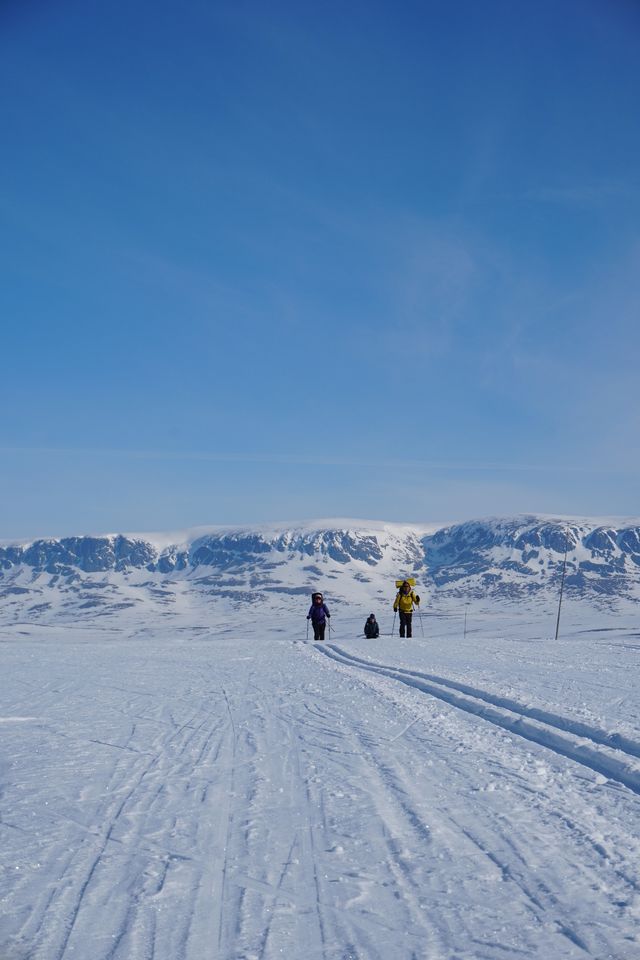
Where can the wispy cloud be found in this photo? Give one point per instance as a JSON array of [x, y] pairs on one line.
[[310, 460], [587, 194]]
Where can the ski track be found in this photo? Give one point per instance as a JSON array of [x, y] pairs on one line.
[[476, 838], [611, 755], [137, 791], [301, 807]]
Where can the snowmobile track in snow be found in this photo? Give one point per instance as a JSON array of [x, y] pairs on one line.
[[611, 755]]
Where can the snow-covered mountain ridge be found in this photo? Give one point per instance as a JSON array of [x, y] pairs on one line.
[[224, 548], [498, 559]]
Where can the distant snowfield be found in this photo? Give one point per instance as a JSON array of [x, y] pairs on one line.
[[230, 790]]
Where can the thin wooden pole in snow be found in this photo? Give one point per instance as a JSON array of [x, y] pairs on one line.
[[564, 570]]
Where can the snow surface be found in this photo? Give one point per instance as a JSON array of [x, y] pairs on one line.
[[213, 785]]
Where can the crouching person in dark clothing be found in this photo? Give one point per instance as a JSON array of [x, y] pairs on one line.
[[371, 628], [318, 614]]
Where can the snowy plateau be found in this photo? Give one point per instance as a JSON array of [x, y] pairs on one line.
[[185, 775]]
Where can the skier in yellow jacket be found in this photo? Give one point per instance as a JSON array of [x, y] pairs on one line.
[[405, 599]]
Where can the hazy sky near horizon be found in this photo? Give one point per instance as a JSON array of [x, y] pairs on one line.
[[287, 260]]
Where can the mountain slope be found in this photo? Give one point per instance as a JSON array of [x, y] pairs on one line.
[[500, 559]]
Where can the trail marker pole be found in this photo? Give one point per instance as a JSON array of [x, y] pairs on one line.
[[564, 570]]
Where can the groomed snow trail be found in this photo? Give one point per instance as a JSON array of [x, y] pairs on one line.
[[236, 799]]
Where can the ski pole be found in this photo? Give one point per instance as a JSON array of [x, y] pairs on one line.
[[420, 615], [393, 626], [307, 629]]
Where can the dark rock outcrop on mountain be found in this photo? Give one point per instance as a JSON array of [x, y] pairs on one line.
[[524, 556], [89, 554], [221, 550]]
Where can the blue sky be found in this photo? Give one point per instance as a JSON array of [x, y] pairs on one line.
[[288, 260]]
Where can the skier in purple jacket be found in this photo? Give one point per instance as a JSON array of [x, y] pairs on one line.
[[318, 614]]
